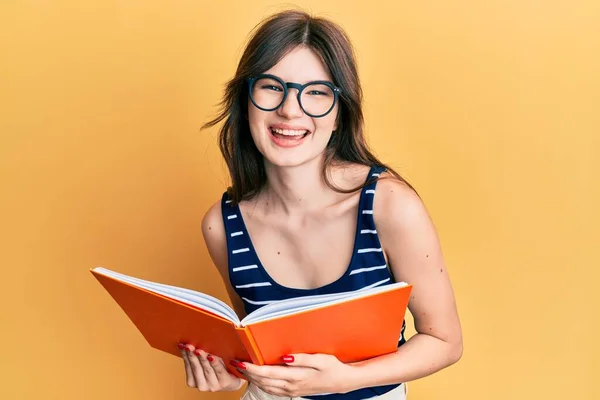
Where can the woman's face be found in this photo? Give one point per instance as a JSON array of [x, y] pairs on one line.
[[287, 136]]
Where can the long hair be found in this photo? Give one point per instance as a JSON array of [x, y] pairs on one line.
[[272, 39]]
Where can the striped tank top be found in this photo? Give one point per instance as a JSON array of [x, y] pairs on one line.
[[256, 288]]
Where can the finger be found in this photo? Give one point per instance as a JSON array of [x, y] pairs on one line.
[[209, 373], [220, 369], [197, 370], [278, 384], [189, 376], [271, 376], [315, 361], [267, 371], [231, 381]]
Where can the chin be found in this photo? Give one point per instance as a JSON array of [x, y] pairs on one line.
[[290, 161], [287, 162]]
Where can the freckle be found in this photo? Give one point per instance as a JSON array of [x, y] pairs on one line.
[[209, 228], [278, 253], [430, 329], [427, 255], [441, 270]]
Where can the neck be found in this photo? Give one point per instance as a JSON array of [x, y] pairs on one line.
[[296, 190]]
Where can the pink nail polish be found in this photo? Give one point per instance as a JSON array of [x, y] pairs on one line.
[[288, 359]]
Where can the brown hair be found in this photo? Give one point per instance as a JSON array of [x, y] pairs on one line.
[[273, 38]]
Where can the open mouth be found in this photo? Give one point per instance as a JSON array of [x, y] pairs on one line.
[[288, 135]]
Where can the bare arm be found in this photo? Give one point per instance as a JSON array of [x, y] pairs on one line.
[[213, 231], [411, 243]]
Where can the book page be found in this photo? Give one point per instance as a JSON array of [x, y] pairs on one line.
[[299, 304], [183, 295]]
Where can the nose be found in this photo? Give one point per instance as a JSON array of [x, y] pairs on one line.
[[290, 108]]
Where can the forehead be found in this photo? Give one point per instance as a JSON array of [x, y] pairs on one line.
[[300, 65]]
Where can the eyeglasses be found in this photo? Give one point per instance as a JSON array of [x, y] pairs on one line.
[[316, 98]]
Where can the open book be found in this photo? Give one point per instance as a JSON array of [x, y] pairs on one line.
[[353, 326]]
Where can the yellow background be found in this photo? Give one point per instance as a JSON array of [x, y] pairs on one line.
[[491, 108]]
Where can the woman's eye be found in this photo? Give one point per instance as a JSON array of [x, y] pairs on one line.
[[271, 87]]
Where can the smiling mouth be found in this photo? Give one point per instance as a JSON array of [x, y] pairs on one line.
[[289, 134]]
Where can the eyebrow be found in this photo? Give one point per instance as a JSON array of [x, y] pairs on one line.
[[295, 81]]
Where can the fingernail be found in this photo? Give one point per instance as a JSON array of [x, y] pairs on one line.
[[237, 364], [180, 346], [197, 352], [210, 358], [188, 348], [288, 359]]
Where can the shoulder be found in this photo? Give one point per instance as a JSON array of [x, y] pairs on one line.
[[212, 222], [213, 231], [398, 208], [408, 235]]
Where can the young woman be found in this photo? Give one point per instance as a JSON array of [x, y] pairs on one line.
[[312, 211]]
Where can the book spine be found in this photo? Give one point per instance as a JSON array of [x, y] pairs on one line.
[[250, 345]]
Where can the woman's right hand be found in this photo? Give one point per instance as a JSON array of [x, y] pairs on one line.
[[207, 372]]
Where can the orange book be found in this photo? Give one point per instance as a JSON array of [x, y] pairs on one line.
[[352, 326]]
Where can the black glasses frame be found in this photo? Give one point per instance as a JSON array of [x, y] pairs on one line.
[[293, 85]]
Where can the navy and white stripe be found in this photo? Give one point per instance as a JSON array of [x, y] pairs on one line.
[[244, 267], [256, 288]]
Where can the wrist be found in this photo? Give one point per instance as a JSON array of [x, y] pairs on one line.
[[352, 378], [238, 386]]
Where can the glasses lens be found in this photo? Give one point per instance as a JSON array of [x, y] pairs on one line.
[[267, 93], [317, 99]]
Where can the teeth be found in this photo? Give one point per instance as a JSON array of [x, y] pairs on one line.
[[288, 132]]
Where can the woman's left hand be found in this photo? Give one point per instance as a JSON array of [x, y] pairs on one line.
[[303, 374]]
